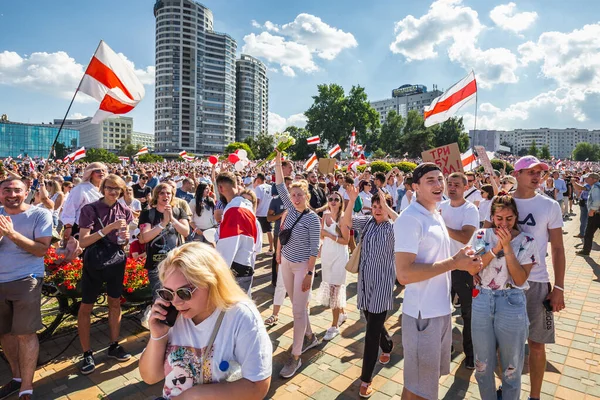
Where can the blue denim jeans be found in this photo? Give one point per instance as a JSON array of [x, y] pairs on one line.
[[499, 318], [583, 216]]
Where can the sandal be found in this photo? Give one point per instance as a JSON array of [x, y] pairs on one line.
[[365, 390], [272, 320]]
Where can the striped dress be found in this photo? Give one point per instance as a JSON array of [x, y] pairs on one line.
[[376, 269], [304, 241]]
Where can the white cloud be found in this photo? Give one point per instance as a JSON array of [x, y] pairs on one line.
[[277, 123], [507, 18], [450, 23], [297, 42], [55, 73], [255, 24], [276, 49], [77, 115]]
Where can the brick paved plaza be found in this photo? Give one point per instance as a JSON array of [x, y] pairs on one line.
[[331, 371]]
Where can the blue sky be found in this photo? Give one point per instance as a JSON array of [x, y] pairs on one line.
[[537, 62]]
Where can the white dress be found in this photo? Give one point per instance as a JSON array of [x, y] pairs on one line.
[[334, 257]]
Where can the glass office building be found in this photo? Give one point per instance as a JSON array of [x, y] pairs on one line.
[[33, 140]]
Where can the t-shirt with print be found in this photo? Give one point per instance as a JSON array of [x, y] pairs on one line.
[[537, 215], [168, 239], [495, 275], [457, 217], [242, 338], [423, 233]]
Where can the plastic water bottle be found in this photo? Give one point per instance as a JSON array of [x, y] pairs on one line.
[[232, 370], [479, 243]]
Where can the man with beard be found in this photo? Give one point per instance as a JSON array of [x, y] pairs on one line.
[[318, 199], [25, 234]]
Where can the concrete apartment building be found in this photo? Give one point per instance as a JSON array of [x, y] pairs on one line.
[[252, 101], [110, 134], [404, 99]]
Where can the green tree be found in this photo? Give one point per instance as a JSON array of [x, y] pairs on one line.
[[533, 150], [333, 115], [302, 150], [262, 145], [61, 151], [150, 158], [585, 150], [102, 155], [451, 131], [391, 132], [379, 154], [232, 147], [415, 137], [129, 150], [523, 152], [545, 152]]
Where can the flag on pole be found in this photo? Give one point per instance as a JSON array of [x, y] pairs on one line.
[[143, 150], [182, 153], [68, 158], [124, 158], [352, 139], [469, 160], [335, 151], [359, 147], [311, 162], [110, 80], [188, 158], [313, 140], [20, 156], [444, 107], [31, 165], [79, 154]]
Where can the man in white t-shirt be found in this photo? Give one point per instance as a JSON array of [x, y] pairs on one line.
[[423, 263], [561, 185], [541, 217], [472, 193], [263, 196], [462, 219]]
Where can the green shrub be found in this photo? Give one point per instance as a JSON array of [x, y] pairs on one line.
[[405, 166], [380, 166], [498, 165]]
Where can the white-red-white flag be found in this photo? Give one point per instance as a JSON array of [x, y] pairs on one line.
[[444, 107], [359, 147], [469, 160], [352, 139], [313, 140], [31, 165], [311, 162], [182, 153], [335, 151], [188, 158], [79, 154], [143, 150], [20, 156], [110, 80]]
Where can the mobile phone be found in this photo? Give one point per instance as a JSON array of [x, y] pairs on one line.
[[171, 315], [480, 251], [547, 305]]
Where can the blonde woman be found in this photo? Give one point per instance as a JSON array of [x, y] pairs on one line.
[[55, 194], [162, 227], [334, 257], [210, 305], [297, 262]]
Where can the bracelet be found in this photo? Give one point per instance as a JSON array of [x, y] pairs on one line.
[[159, 338], [160, 226], [559, 288], [101, 233], [492, 253], [336, 239]]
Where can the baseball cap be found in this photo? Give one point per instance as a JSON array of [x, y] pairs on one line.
[[529, 162]]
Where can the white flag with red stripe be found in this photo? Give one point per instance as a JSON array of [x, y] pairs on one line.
[[352, 139], [313, 140], [335, 151], [469, 160], [182, 153], [143, 150], [110, 80], [444, 107], [311, 162], [79, 154]]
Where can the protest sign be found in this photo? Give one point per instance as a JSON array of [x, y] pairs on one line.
[[326, 165], [484, 160], [446, 157]]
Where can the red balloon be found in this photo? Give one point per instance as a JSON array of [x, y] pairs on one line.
[[233, 158], [213, 160]]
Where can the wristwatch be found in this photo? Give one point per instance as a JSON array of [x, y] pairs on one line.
[[309, 273]]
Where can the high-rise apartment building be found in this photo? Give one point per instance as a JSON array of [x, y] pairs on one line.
[[195, 80], [404, 99], [111, 134], [252, 102]]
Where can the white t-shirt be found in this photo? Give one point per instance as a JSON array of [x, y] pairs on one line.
[[135, 205], [204, 221], [404, 203], [457, 217], [242, 338], [366, 198], [263, 194], [421, 232], [484, 209], [536, 216], [393, 191], [473, 195]]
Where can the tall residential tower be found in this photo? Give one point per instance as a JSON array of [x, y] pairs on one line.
[[252, 108], [195, 80]]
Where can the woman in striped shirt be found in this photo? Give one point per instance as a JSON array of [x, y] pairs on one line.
[[376, 277], [297, 262]]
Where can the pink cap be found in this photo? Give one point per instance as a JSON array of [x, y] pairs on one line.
[[529, 162]]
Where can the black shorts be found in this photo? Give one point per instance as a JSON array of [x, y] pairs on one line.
[[92, 280], [265, 225]]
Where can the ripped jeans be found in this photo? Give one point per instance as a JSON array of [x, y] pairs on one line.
[[499, 319]]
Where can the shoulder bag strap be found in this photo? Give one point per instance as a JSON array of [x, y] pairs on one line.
[[298, 219], [471, 192], [211, 340]]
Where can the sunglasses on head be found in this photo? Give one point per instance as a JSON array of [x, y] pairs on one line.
[[183, 293]]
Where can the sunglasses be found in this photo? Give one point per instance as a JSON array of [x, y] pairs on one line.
[[333, 199], [183, 293], [471, 180], [98, 171]]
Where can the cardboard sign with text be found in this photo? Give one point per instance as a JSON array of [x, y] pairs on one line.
[[446, 157], [484, 160], [326, 165]]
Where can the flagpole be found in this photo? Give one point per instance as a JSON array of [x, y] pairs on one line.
[[475, 123], [69, 109]]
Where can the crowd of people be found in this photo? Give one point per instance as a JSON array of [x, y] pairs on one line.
[[472, 241]]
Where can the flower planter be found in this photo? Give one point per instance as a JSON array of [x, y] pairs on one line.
[[139, 295]]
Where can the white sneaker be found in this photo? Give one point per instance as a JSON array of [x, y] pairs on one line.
[[332, 332], [342, 318]]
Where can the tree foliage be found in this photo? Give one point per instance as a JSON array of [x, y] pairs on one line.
[[451, 131], [585, 150], [150, 158], [262, 145], [61, 151], [232, 147], [545, 152], [333, 114], [391, 133], [129, 150], [302, 150], [533, 150], [102, 155]]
